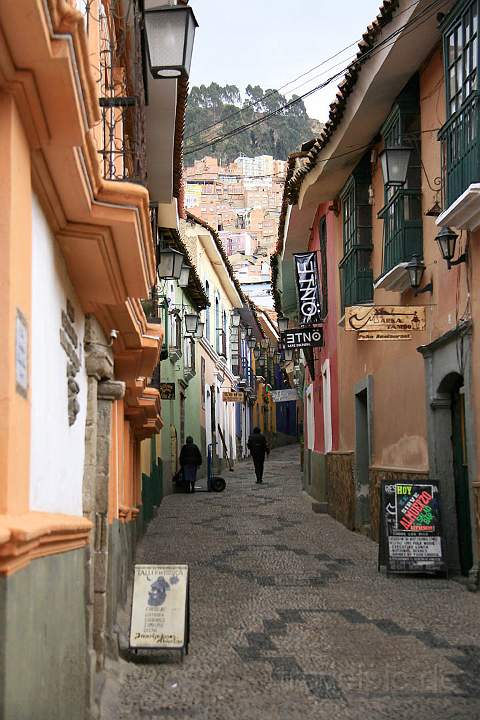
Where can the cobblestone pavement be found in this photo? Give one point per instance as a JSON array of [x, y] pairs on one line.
[[290, 618]]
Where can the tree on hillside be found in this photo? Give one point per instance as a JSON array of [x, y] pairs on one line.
[[278, 135]]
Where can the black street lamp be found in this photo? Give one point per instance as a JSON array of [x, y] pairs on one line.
[[184, 276], [170, 32], [200, 329], [415, 269], [235, 318], [170, 264], [447, 240], [251, 342], [395, 161], [256, 353]]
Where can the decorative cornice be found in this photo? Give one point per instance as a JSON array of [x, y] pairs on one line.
[[24, 538]]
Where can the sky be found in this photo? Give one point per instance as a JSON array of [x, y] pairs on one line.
[[271, 42]]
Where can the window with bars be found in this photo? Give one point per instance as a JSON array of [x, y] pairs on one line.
[[356, 278], [460, 134], [402, 211]]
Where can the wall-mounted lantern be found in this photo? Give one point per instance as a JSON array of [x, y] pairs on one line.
[[256, 353], [447, 240], [249, 331], [184, 276], [170, 264], [191, 323], [395, 161], [243, 333], [200, 328], [170, 32], [235, 318], [288, 354], [282, 323], [251, 342], [415, 269]]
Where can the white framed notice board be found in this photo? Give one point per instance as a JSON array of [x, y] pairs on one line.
[[160, 608]]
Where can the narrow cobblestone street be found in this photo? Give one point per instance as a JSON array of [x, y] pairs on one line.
[[290, 618]]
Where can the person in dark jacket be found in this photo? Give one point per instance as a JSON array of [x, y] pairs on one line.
[[257, 445], [190, 461]]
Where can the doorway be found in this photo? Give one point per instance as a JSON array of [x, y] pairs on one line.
[[460, 474], [363, 414]]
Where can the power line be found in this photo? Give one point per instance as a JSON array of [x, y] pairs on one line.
[[423, 17], [282, 87]]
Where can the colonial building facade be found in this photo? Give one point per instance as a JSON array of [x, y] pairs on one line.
[[392, 394]]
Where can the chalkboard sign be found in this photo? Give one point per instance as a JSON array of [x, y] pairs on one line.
[[410, 527]]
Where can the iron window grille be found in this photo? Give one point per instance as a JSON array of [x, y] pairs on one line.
[[356, 276], [460, 134], [402, 211], [122, 91]]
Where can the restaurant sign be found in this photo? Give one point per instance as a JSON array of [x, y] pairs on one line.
[[302, 337], [385, 319], [167, 391], [306, 273], [160, 607], [233, 397]]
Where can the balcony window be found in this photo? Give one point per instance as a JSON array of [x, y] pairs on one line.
[[402, 211], [355, 271], [459, 135]]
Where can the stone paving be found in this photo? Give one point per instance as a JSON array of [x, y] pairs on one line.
[[290, 618]]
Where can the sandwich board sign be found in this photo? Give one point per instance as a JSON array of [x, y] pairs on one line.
[[410, 527], [160, 608]]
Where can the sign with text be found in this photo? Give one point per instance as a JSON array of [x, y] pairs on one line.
[[411, 537], [160, 607], [233, 397], [285, 395], [385, 318], [383, 335], [167, 391], [306, 273], [302, 337]]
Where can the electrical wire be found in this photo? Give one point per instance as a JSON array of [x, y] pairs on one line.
[[282, 87], [416, 22]]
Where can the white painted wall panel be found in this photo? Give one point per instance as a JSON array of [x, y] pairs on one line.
[[57, 449]]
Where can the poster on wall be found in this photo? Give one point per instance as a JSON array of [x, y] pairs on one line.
[[167, 391], [308, 292], [410, 527], [160, 607]]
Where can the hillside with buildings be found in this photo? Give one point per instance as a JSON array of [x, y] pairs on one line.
[[241, 201]]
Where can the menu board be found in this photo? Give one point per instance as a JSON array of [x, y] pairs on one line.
[[410, 527], [160, 607]]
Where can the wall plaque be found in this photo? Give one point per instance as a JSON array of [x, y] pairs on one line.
[[21, 353], [160, 607], [410, 527]]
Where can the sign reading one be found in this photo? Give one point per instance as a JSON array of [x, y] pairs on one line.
[[410, 529], [306, 271], [167, 391], [302, 337], [285, 395], [385, 318], [160, 610], [233, 397]]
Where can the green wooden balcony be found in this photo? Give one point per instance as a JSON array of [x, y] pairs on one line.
[[402, 230], [460, 150], [356, 276]]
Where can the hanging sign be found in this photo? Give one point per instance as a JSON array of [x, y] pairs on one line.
[[167, 391], [285, 395], [302, 337], [410, 527], [385, 318], [160, 607], [306, 273], [233, 397]]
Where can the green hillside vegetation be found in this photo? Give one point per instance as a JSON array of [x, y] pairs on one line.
[[278, 136]]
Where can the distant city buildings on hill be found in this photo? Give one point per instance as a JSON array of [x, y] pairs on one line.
[[242, 202]]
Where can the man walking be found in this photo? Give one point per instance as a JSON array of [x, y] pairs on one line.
[[257, 445], [190, 461]]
